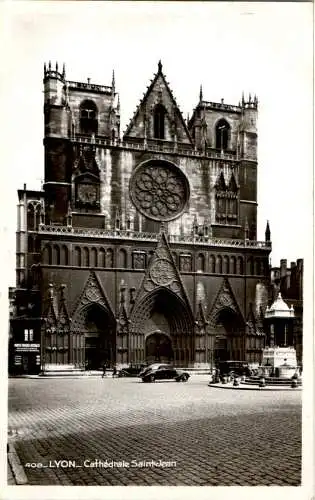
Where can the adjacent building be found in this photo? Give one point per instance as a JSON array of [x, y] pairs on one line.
[[141, 245], [288, 281]]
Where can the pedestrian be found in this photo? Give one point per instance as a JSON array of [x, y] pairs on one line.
[[104, 370], [114, 371]]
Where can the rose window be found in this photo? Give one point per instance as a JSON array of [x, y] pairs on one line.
[[159, 191]]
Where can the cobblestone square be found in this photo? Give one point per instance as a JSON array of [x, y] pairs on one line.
[[83, 431]]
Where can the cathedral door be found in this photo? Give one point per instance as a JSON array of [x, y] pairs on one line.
[[162, 330], [99, 339], [220, 351], [229, 336], [158, 348]]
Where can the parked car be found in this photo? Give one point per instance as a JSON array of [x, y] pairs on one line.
[[233, 368], [148, 368], [163, 372], [133, 370]]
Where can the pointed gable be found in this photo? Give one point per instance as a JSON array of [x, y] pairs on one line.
[[225, 299], [201, 316], [51, 311], [157, 115], [63, 316], [220, 184], [232, 184], [92, 292], [162, 273]]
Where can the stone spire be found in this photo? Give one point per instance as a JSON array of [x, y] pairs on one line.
[[267, 232], [200, 94], [113, 82]]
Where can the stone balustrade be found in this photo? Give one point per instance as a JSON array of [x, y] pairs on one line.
[[125, 234], [90, 86], [221, 106], [154, 147]]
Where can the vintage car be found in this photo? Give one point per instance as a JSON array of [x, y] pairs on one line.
[[133, 370], [233, 368], [163, 372]]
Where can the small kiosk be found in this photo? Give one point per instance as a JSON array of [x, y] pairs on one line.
[[279, 355]]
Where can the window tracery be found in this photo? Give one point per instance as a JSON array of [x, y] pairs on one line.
[[88, 118], [226, 200], [159, 190], [159, 122], [222, 135]]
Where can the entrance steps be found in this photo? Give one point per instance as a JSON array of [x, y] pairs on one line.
[[62, 373], [53, 370], [196, 371]]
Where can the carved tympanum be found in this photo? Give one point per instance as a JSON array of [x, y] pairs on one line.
[[162, 272]]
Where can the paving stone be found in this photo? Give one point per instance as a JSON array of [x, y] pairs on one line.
[[216, 437]]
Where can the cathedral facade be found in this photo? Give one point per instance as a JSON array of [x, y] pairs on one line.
[[141, 246]]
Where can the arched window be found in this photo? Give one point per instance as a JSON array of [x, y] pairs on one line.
[[109, 258], [222, 134], [37, 215], [219, 264], [56, 255], [226, 265], [77, 256], [233, 265], [122, 258], [88, 118], [93, 257], [86, 257], [30, 217], [201, 262], [159, 122], [212, 264], [250, 266], [64, 255], [102, 257], [239, 267], [257, 267], [47, 255]]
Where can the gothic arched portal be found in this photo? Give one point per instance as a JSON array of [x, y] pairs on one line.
[[229, 328], [162, 327], [94, 334]]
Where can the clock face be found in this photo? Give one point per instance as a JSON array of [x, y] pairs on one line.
[[87, 193]]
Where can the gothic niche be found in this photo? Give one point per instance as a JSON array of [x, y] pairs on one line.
[[226, 196], [159, 190]]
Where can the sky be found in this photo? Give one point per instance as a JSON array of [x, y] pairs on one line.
[[262, 48]]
